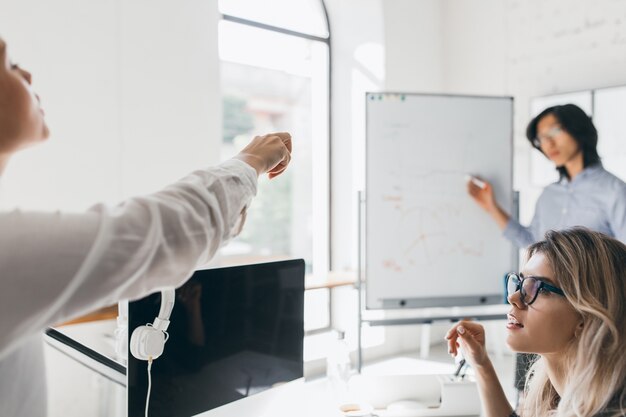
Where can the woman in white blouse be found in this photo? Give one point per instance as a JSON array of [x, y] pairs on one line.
[[55, 266]]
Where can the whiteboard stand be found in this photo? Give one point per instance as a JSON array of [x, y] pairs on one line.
[[359, 278]]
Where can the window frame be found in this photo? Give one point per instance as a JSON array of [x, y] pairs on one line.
[[326, 40]]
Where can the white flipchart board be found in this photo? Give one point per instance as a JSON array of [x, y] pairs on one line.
[[427, 244]]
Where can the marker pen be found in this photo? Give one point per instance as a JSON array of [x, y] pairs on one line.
[[476, 181]]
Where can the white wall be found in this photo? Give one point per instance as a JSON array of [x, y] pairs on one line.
[[414, 45], [357, 56], [171, 103], [142, 75]]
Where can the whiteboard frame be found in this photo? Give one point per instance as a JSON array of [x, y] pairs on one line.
[[429, 301]]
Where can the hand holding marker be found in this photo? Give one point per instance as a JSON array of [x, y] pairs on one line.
[[481, 192]]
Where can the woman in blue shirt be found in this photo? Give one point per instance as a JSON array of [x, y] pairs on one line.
[[585, 195]]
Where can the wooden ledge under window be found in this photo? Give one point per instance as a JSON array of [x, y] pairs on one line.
[[329, 281]]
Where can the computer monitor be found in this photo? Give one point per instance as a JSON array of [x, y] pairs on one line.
[[234, 332]]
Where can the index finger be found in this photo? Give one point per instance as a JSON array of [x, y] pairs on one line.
[[468, 324]]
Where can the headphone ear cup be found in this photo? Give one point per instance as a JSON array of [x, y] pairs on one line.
[[147, 342]]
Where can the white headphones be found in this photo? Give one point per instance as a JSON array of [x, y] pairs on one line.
[[147, 342]]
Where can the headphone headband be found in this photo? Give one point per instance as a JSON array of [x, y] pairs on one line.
[[162, 321], [147, 342]]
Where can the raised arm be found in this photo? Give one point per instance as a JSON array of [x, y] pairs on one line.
[[521, 236], [56, 266], [483, 196]]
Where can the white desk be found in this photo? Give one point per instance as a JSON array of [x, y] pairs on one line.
[[438, 395], [297, 398]]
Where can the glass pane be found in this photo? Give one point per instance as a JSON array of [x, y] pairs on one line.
[[276, 82], [305, 16]]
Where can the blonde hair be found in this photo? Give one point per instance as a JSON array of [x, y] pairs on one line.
[[591, 269]]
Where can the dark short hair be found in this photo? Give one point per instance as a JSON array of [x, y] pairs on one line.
[[575, 122]]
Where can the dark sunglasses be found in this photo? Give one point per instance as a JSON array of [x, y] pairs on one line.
[[528, 287]]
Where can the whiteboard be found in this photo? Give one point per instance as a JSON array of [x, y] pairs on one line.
[[427, 244]]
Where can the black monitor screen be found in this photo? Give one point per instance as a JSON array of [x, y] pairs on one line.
[[233, 332]]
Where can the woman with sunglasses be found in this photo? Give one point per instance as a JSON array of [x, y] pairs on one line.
[[567, 306], [585, 195]]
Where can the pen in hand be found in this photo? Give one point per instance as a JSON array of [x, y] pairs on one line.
[[458, 369]]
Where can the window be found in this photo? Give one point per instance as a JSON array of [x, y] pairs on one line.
[[275, 77], [306, 17]]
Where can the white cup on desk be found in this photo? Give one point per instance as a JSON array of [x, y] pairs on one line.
[[356, 409]]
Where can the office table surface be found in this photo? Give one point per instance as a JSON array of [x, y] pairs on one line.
[[296, 398], [303, 399], [316, 398]]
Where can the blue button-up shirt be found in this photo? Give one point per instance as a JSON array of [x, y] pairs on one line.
[[595, 199]]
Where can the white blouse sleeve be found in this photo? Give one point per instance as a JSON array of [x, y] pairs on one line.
[[55, 266]]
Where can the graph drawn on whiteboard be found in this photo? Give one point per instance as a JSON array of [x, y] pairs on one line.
[[426, 242]]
